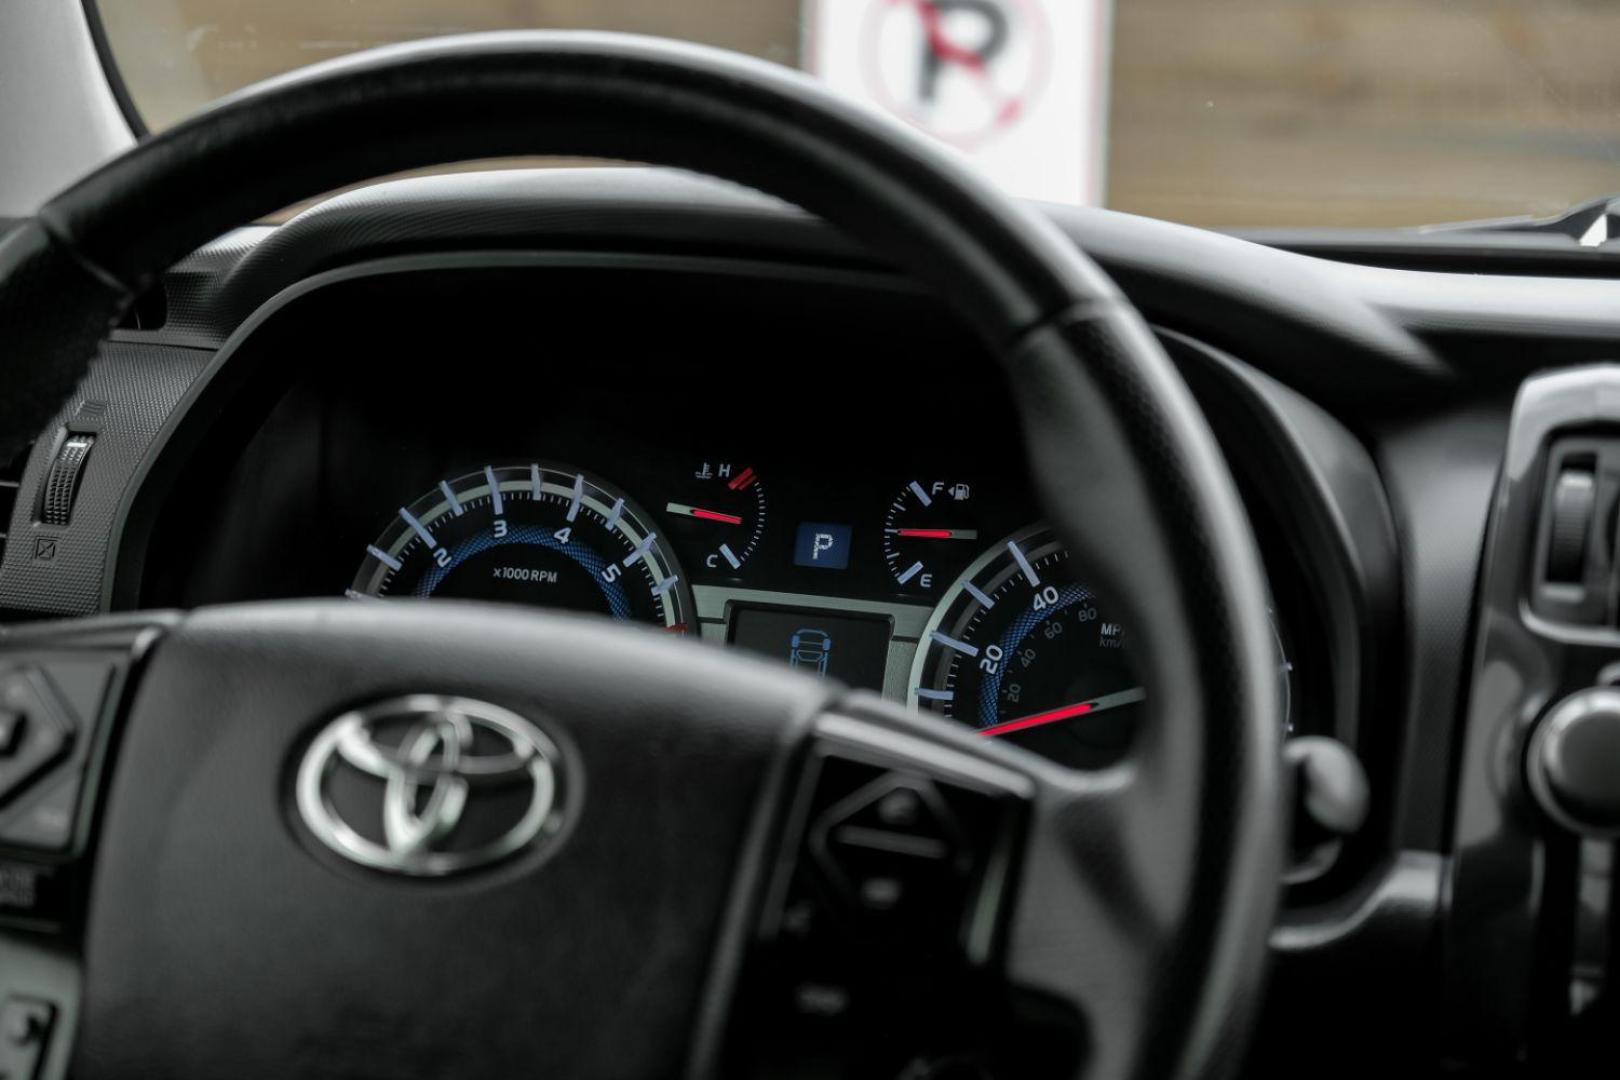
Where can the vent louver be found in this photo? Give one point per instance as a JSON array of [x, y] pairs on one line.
[[10, 481]]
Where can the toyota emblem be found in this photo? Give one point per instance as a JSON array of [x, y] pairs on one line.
[[426, 785]]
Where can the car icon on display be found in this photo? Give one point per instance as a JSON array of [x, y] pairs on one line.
[[810, 648]]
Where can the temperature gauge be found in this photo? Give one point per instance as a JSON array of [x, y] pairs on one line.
[[719, 508], [929, 533]]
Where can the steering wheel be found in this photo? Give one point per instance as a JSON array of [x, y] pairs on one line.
[[437, 839]]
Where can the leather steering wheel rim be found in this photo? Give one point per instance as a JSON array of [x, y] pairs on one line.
[[1124, 463]]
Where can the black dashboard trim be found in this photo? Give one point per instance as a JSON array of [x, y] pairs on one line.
[[1313, 474], [193, 416], [1354, 338], [1413, 368], [1362, 564], [1311, 322], [1444, 249]]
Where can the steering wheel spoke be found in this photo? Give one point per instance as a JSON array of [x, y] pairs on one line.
[[1002, 899], [874, 912]]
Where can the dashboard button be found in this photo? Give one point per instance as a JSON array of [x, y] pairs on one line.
[[1574, 763], [1569, 524]]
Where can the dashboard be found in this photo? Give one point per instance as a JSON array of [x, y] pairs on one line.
[[635, 395], [846, 497]]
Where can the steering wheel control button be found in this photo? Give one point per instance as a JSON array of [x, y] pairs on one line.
[[879, 933], [894, 852], [25, 1036], [901, 808], [43, 819], [821, 999], [48, 707], [1574, 763], [33, 895], [897, 856], [80, 683], [57, 700], [882, 893], [427, 785], [900, 813], [42, 732], [12, 724]]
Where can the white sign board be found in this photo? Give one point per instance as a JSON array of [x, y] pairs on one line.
[[1018, 86]]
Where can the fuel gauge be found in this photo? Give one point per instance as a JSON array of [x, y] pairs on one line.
[[929, 530], [719, 508]]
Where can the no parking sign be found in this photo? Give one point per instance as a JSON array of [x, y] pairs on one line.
[[1019, 86]]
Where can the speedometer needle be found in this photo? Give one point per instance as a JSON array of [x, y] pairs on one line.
[[1066, 712], [702, 514]]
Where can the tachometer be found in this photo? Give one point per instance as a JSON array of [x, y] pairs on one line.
[[534, 534]]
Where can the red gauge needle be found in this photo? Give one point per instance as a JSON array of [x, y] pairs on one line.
[[936, 534], [1066, 712], [705, 515]]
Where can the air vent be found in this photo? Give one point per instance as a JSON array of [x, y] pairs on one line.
[[148, 311], [10, 481]]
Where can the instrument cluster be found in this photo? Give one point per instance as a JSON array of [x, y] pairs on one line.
[[556, 534], [829, 477], [934, 586]]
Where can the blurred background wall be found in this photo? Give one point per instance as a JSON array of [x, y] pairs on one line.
[[1222, 112]]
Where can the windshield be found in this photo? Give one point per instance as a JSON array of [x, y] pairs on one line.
[[1210, 112]]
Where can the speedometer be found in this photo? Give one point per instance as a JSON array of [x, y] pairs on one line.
[[1018, 649], [534, 534]]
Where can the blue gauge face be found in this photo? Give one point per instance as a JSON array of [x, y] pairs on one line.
[[1018, 649], [532, 534]]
